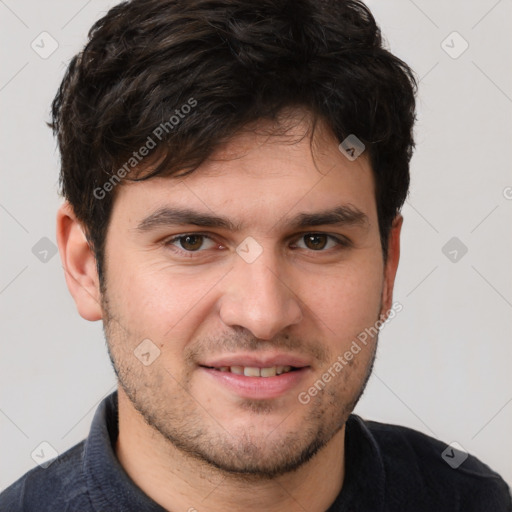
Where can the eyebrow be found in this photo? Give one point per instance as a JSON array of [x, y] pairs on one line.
[[181, 217], [346, 215]]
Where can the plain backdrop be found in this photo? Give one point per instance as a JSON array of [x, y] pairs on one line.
[[443, 364]]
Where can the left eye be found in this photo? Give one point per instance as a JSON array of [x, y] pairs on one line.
[[317, 242], [191, 243]]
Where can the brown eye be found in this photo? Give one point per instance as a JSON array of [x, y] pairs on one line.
[[321, 242], [315, 242], [191, 242]]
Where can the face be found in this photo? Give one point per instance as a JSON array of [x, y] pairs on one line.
[[246, 279]]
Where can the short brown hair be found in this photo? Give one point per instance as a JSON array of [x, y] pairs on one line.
[[239, 61]]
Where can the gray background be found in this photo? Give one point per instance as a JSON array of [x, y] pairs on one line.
[[444, 362]]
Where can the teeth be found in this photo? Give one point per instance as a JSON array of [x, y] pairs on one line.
[[252, 371], [268, 372]]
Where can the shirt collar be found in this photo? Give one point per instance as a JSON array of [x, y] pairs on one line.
[[110, 487], [365, 479]]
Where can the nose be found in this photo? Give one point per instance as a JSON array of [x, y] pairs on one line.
[[258, 298]]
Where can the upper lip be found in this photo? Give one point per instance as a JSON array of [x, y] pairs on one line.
[[257, 361]]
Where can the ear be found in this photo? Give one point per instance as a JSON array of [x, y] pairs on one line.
[[79, 264], [391, 266]]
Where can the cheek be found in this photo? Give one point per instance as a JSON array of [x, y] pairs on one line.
[[347, 301], [161, 304]]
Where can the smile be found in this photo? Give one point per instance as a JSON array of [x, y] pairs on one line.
[[252, 371], [260, 383]]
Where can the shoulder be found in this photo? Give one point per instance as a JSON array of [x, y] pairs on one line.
[[419, 465], [60, 486]]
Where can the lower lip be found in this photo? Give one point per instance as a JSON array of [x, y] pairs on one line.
[[258, 387]]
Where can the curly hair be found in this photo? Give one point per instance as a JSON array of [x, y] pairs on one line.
[[231, 62]]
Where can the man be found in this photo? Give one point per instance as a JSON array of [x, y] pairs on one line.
[[233, 173]]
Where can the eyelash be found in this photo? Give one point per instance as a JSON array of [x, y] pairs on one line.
[[341, 242]]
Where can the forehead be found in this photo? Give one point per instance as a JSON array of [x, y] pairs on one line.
[[265, 170]]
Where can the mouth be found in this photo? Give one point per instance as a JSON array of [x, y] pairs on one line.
[[256, 379], [254, 371]]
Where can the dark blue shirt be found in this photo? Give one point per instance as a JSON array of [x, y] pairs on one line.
[[388, 469]]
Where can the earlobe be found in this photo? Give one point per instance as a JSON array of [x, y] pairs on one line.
[[391, 266], [79, 264]]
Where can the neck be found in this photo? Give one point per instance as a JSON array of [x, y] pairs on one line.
[[176, 481]]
